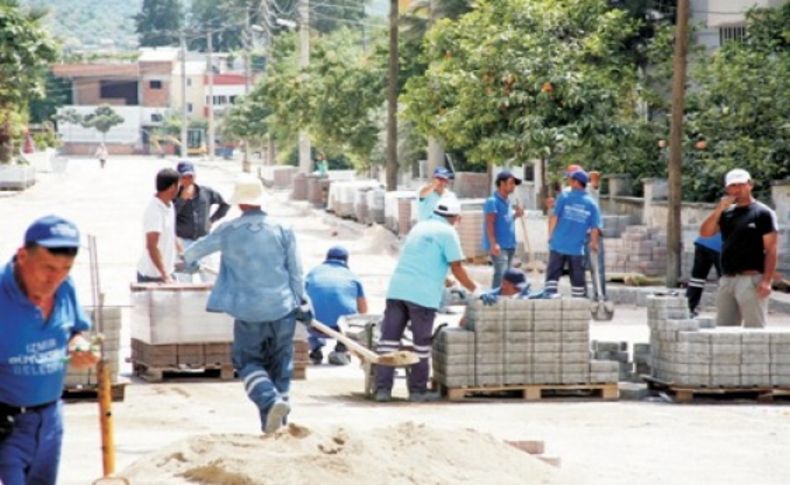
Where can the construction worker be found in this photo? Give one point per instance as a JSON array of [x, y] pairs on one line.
[[157, 263], [575, 216], [334, 291], [499, 226], [514, 285], [707, 254], [41, 322], [260, 286], [415, 292], [430, 194]]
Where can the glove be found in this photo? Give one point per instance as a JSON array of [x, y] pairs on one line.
[[490, 297], [524, 293], [304, 314]]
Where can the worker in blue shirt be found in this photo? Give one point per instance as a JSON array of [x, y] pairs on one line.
[[499, 225], [334, 291], [415, 292], [707, 253], [430, 194], [41, 323], [575, 215]]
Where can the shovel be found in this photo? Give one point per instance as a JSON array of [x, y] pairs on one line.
[[601, 309], [398, 358]]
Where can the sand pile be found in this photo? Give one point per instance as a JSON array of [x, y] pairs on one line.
[[378, 240], [405, 453]]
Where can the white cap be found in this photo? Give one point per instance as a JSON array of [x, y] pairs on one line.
[[448, 205], [248, 191], [737, 176]]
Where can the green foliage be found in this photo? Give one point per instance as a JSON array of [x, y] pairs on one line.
[[158, 22], [57, 94], [102, 119]]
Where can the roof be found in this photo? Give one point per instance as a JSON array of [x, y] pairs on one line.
[[95, 70], [158, 54], [228, 79]]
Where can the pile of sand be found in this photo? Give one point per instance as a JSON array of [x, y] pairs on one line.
[[378, 240], [404, 453]]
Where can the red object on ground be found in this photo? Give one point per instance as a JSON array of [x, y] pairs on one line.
[[30, 146]]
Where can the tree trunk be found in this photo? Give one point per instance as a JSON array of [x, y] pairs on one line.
[[392, 101]]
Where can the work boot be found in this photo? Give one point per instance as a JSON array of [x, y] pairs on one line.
[[339, 358], [276, 416], [316, 356], [383, 395], [425, 396]]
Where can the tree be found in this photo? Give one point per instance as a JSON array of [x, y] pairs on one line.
[[158, 22], [25, 53], [102, 119]]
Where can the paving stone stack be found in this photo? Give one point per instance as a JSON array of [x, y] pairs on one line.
[[519, 342], [614, 225], [692, 352], [470, 232], [471, 185], [300, 187], [111, 330], [640, 249], [614, 352]]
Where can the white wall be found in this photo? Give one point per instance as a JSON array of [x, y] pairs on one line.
[[128, 132]]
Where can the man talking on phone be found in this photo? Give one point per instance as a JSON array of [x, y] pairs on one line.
[[749, 252]]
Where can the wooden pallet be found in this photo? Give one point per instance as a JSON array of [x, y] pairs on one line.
[[535, 392], [687, 394], [151, 373], [91, 392]]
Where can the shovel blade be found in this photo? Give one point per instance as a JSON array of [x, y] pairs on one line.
[[399, 358]]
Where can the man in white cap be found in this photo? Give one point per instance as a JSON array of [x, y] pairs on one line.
[[749, 232], [415, 293], [260, 286]]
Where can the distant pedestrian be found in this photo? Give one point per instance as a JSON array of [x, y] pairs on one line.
[[157, 263], [334, 291], [749, 232], [430, 194], [499, 226], [707, 254], [260, 286], [102, 154], [415, 291], [193, 204], [575, 217], [41, 323]]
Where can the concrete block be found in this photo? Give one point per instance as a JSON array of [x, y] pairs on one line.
[[632, 391], [580, 378], [756, 380], [509, 358], [604, 366], [453, 359], [780, 337], [580, 315], [551, 358], [581, 337], [518, 325], [489, 369], [697, 337], [547, 323], [543, 347], [755, 369], [575, 325], [574, 347], [489, 348], [554, 304], [547, 337], [489, 338], [490, 380], [729, 359], [694, 380], [720, 338], [546, 378], [725, 369], [725, 380], [753, 337], [699, 369], [780, 380], [618, 356]]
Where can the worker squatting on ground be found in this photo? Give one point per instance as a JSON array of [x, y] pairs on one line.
[[749, 233], [575, 216], [193, 211], [334, 291], [707, 254], [41, 323], [157, 263], [260, 286], [514, 285], [415, 291], [499, 225], [430, 194]]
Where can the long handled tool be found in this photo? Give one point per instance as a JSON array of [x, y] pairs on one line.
[[393, 359], [601, 309], [532, 265]]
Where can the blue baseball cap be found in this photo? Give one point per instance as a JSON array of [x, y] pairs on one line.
[[516, 277], [53, 232], [443, 173], [337, 253], [185, 168], [580, 176], [507, 174]]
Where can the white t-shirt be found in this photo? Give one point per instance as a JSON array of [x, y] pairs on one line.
[[160, 218]]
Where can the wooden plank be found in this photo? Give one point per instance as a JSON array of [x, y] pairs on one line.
[[535, 392], [91, 392]]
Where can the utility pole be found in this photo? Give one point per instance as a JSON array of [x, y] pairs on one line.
[[435, 146], [676, 145], [305, 161], [392, 101], [210, 71], [184, 112], [245, 164]]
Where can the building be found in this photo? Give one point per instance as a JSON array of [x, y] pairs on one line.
[[721, 21]]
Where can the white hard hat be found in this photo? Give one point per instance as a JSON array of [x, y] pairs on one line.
[[448, 205]]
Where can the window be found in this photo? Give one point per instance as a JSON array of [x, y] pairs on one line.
[[126, 90], [731, 33], [189, 107], [156, 117], [155, 84], [233, 100]]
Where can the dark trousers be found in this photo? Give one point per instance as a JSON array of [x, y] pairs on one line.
[[31, 453], [704, 258], [396, 315], [576, 264]]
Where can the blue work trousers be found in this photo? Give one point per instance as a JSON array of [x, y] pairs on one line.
[[31, 453], [263, 357], [501, 264]]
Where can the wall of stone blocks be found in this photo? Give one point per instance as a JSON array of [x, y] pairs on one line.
[[111, 330]]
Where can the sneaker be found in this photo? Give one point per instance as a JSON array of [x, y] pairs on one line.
[[276, 416], [425, 396], [339, 358], [316, 356], [383, 395]]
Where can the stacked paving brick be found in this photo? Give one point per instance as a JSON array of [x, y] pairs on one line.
[[519, 342], [470, 232], [617, 352], [614, 225], [471, 185], [692, 352], [640, 249], [111, 330]]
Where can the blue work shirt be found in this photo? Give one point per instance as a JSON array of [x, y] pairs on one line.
[[333, 290], [504, 224], [33, 351], [427, 205], [426, 255], [577, 214], [260, 274], [714, 242]]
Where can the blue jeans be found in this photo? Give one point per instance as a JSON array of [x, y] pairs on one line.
[[501, 264], [31, 453], [263, 357]]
